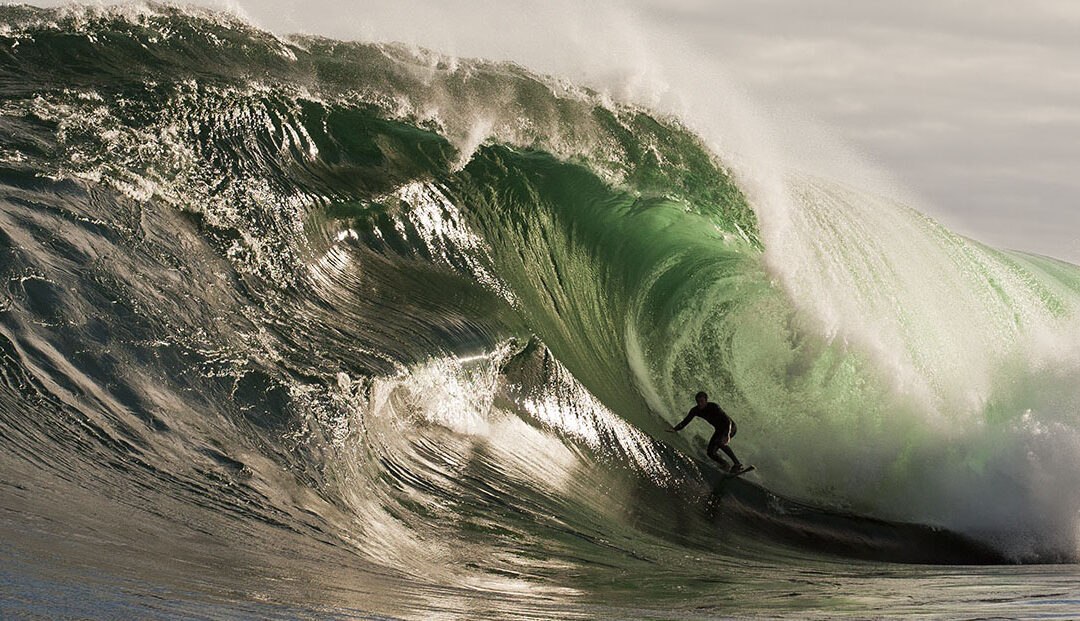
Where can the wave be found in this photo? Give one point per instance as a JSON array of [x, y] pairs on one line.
[[438, 313]]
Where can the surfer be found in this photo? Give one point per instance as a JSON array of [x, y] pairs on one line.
[[725, 430]]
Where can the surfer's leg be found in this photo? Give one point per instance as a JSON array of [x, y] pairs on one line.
[[714, 445], [734, 460]]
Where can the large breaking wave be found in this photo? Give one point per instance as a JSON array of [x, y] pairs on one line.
[[438, 312]]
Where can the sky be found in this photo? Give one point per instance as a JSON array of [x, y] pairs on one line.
[[969, 110], [973, 106]]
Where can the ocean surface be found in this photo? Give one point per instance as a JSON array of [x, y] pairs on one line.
[[301, 328]]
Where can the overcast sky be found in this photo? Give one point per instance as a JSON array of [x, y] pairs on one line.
[[972, 107]]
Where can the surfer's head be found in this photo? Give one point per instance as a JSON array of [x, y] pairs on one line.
[[701, 398]]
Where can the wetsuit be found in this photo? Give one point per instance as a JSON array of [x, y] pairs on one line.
[[719, 419]]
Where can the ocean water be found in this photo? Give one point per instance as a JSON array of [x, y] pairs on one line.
[[303, 328]]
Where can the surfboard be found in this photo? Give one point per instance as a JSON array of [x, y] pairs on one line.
[[744, 470]]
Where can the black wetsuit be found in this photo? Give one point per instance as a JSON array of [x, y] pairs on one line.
[[719, 419]]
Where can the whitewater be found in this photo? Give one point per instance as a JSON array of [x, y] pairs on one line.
[[299, 327]]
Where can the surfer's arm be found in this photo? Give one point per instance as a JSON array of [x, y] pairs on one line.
[[727, 432], [685, 422], [727, 438]]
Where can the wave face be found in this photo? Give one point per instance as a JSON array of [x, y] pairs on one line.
[[275, 305]]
